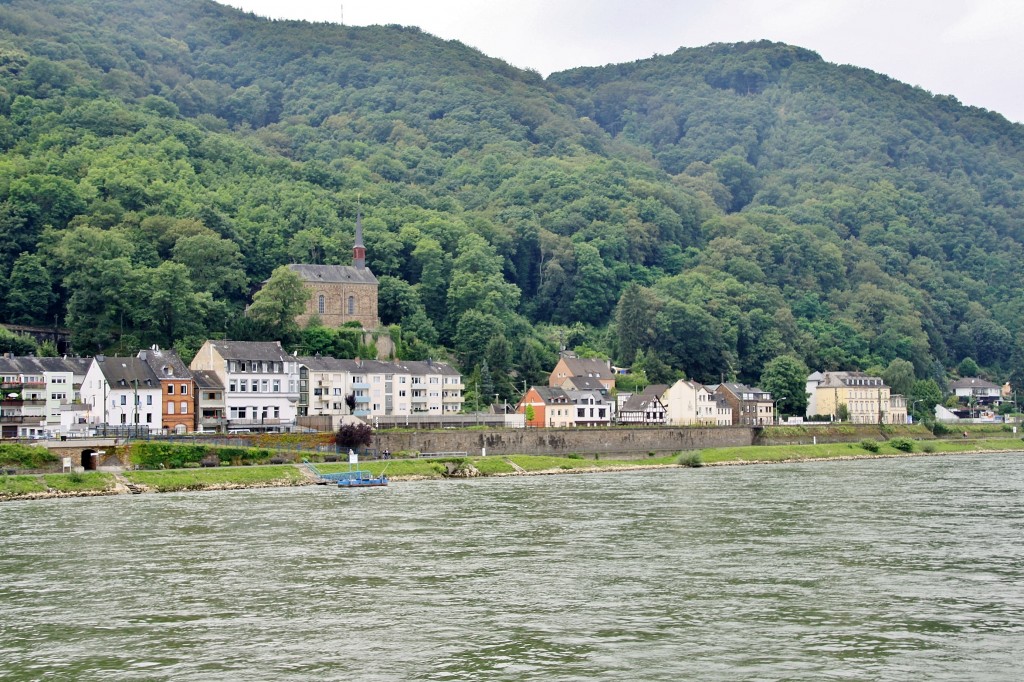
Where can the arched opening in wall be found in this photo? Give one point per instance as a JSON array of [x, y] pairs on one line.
[[179, 429], [89, 458]]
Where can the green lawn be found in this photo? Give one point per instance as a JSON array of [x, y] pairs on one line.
[[14, 486], [91, 481], [774, 453], [199, 479]]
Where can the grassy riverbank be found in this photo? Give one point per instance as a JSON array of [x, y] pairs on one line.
[[224, 478], [171, 480]]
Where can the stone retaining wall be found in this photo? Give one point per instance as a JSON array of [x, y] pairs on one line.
[[600, 441]]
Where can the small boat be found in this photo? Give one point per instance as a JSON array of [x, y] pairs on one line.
[[360, 479], [353, 478]]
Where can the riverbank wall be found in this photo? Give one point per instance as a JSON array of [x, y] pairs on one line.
[[633, 441]]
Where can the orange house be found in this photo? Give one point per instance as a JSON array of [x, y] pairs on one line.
[[571, 366], [177, 389], [552, 407]]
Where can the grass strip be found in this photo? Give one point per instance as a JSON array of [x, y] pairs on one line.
[[201, 479], [92, 481], [778, 453], [16, 486]]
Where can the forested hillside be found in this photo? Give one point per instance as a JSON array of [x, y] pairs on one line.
[[701, 213]]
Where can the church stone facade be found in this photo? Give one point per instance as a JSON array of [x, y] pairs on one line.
[[341, 293]]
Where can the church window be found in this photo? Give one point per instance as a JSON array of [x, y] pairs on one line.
[[320, 304], [351, 305]]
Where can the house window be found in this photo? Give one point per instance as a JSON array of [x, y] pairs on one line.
[[184, 389], [184, 408], [351, 305], [124, 400], [149, 400], [277, 385], [320, 307], [170, 389], [170, 408], [243, 385]]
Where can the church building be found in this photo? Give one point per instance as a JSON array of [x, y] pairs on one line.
[[341, 293]]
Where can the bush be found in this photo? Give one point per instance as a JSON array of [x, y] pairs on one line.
[[691, 460], [870, 445], [354, 436], [928, 447], [902, 444], [26, 456], [940, 429]]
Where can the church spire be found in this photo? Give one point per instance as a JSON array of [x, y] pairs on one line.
[[358, 250]]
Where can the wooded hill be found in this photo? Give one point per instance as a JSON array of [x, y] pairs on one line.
[[702, 213]]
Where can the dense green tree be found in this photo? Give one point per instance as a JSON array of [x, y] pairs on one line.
[[280, 300], [785, 377], [172, 305], [924, 395], [29, 291], [899, 377]]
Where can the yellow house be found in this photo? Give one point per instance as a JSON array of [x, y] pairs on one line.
[[867, 398]]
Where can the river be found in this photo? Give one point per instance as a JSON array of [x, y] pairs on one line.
[[889, 569]]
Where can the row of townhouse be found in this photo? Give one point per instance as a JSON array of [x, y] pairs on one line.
[[229, 386], [688, 403], [579, 393]]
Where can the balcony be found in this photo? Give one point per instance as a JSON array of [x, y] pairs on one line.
[[362, 399], [360, 386]]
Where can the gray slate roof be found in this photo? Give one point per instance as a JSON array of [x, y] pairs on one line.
[[318, 363], [206, 378], [251, 350], [122, 372], [158, 359], [333, 274], [972, 382], [34, 365]]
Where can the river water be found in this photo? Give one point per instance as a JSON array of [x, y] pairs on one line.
[[895, 569]]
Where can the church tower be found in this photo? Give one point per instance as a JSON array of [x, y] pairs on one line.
[[358, 250]]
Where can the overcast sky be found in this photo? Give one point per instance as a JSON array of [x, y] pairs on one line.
[[971, 49]]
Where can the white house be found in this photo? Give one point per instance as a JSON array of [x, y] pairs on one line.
[[689, 403], [377, 388], [261, 382], [122, 392]]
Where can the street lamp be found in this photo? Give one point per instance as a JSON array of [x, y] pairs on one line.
[[775, 408]]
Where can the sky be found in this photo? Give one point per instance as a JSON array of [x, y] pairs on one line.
[[970, 49]]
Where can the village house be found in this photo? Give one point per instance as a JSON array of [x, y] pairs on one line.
[[178, 413], [972, 390], [569, 366], [591, 408], [866, 398], [689, 403], [377, 388], [261, 382], [36, 393], [211, 405], [645, 407], [552, 407], [750, 406], [124, 394]]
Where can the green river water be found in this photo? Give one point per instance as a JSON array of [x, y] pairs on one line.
[[892, 569]]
